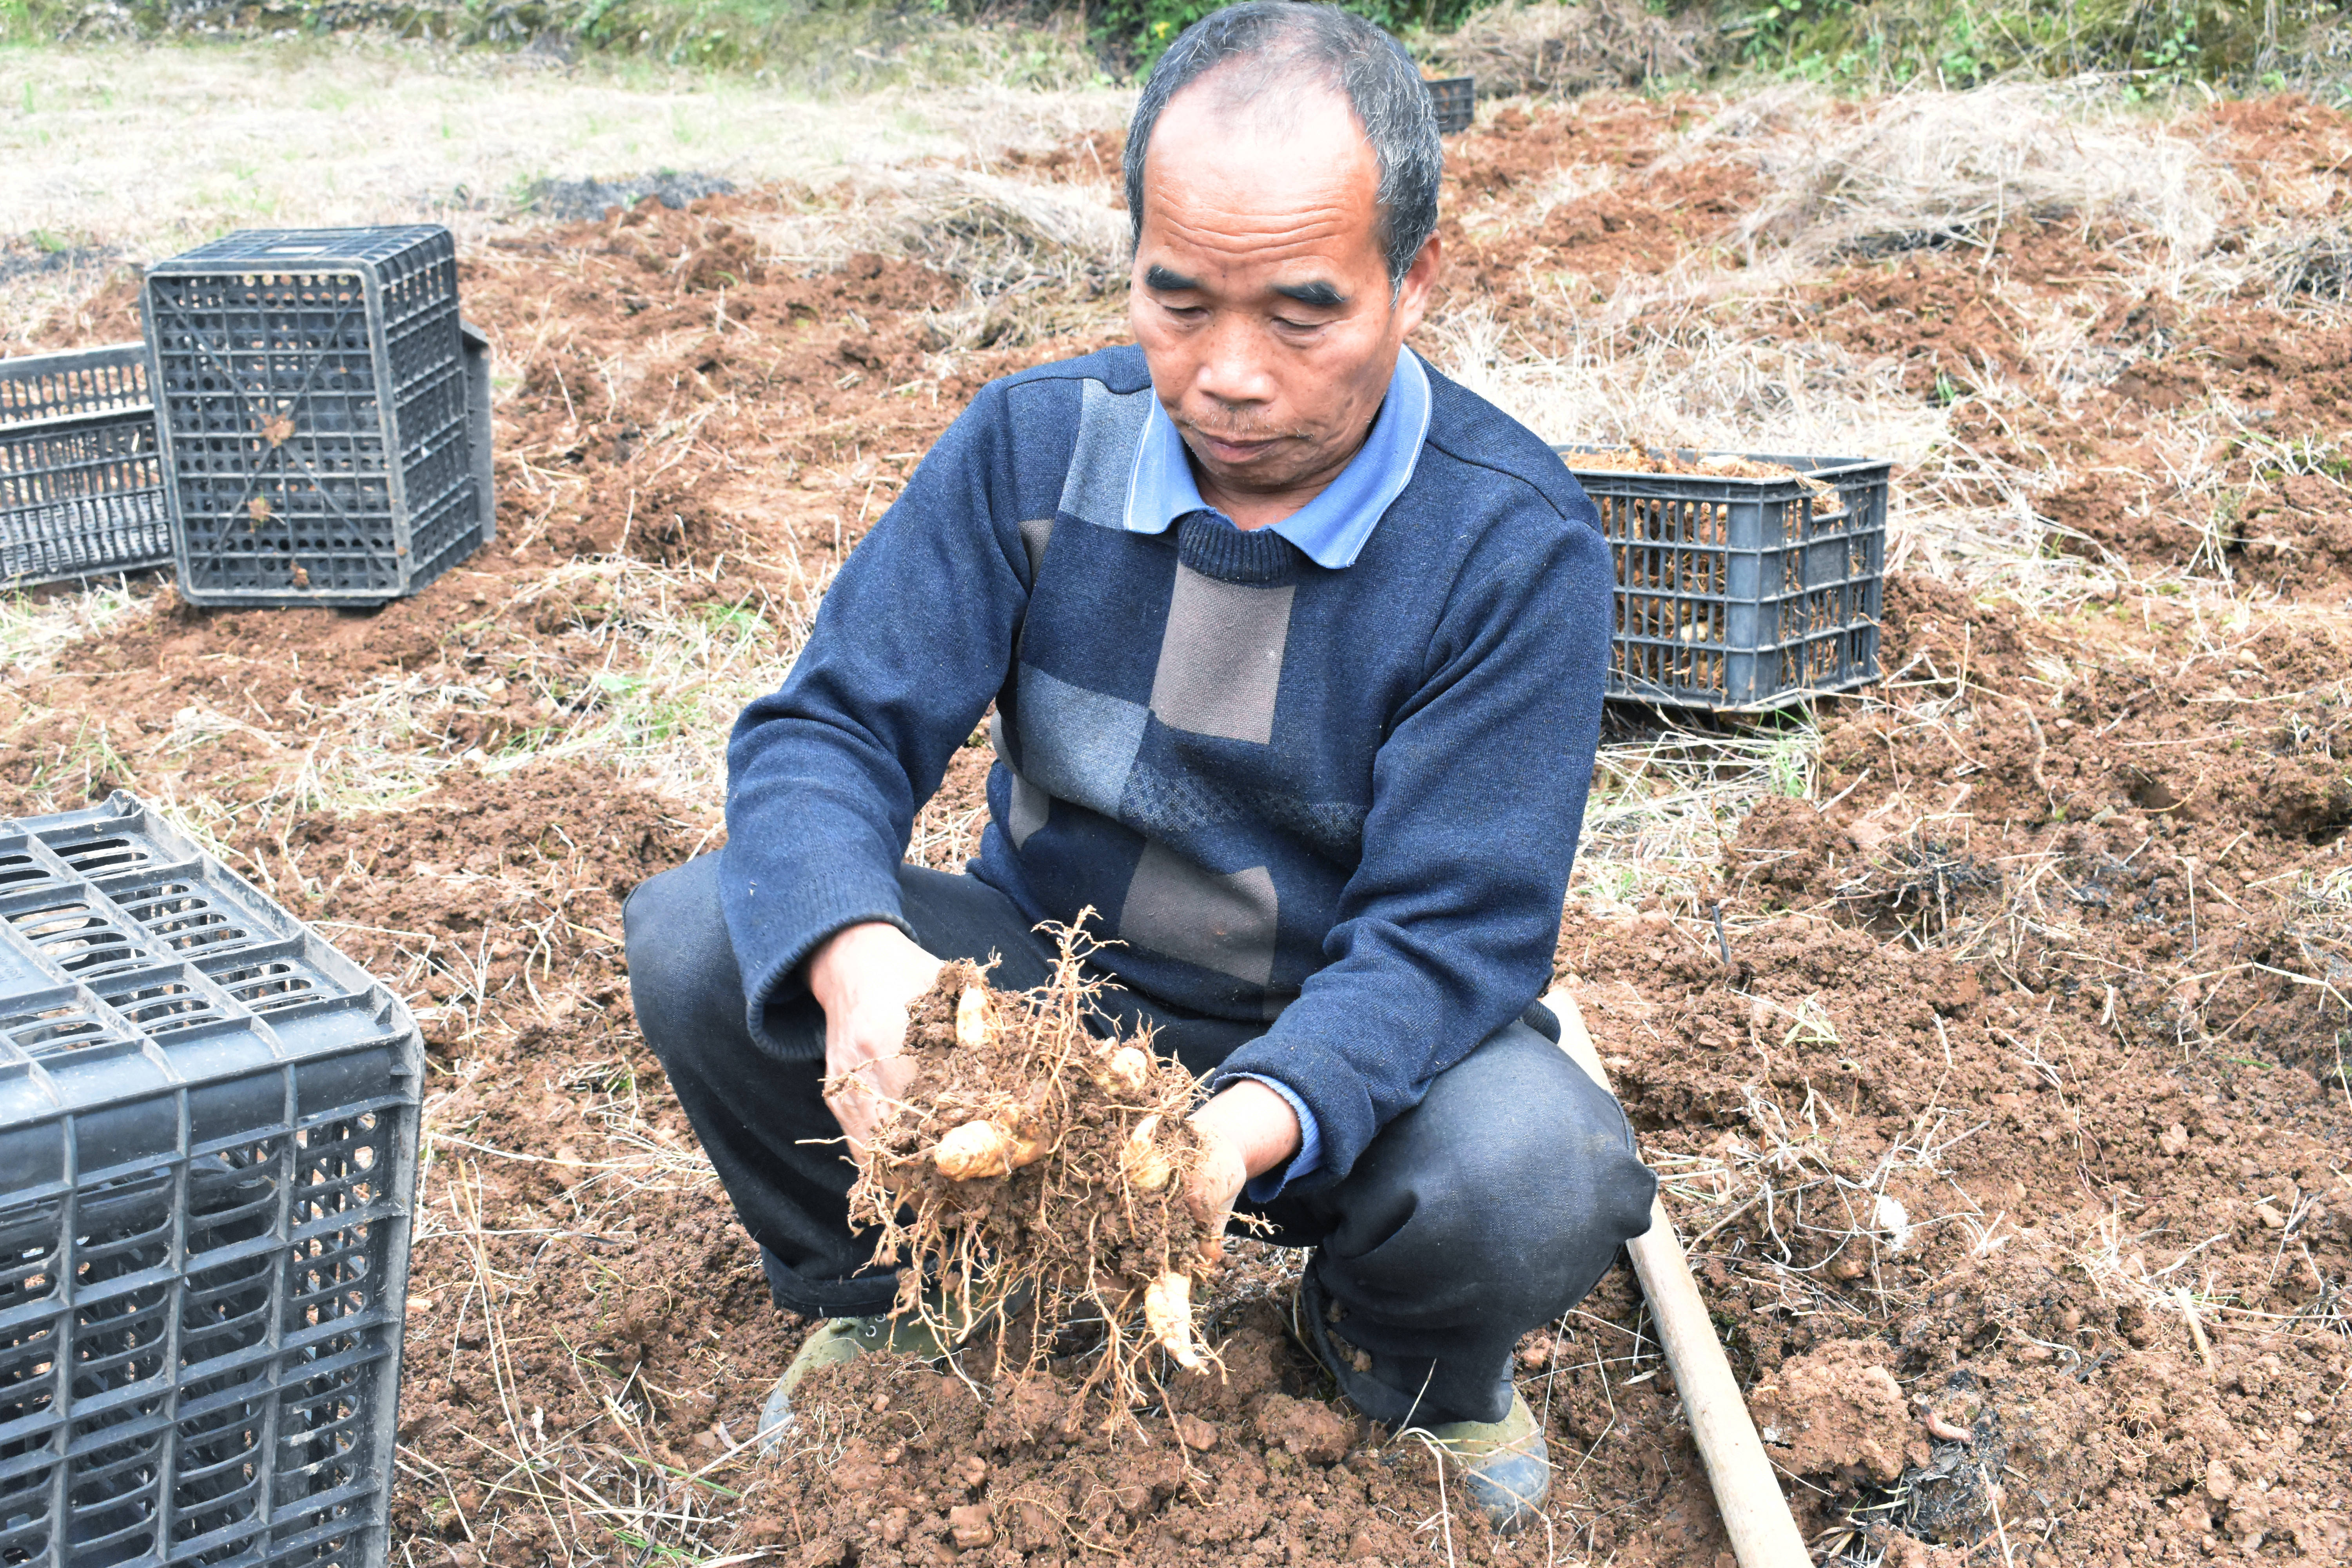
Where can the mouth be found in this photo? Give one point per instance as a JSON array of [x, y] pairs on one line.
[[1234, 448]]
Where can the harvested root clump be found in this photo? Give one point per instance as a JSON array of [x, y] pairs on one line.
[[1031, 1159]]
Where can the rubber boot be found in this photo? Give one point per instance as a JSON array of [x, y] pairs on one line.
[[1505, 1466], [932, 1335]]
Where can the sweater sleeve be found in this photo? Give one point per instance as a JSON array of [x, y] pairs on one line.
[[1447, 927], [911, 643]]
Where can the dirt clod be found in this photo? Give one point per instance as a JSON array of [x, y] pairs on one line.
[[1837, 1411], [1306, 1430], [971, 1526]]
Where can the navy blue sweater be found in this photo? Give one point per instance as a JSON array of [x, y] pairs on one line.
[[1344, 801]]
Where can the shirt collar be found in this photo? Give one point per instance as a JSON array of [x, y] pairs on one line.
[[1332, 528]]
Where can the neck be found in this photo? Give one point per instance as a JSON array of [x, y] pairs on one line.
[[1263, 509]]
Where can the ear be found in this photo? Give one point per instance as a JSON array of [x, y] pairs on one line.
[[1420, 280]]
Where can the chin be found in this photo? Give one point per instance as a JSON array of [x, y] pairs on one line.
[[1261, 474]]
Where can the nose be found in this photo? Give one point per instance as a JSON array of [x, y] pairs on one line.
[[1233, 368]]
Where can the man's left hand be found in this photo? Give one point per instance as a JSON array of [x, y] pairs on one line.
[[1246, 1130]]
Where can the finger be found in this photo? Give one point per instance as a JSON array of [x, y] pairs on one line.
[[890, 1077], [852, 1107]]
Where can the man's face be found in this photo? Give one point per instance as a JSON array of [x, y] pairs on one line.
[[1260, 295]]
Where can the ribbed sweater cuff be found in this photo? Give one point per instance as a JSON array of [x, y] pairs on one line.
[[797, 924], [1333, 1091]]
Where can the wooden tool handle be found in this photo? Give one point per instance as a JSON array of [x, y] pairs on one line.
[[1746, 1493]]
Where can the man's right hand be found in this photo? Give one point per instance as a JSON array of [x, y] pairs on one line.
[[865, 977]]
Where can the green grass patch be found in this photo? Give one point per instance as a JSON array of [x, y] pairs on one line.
[[833, 45], [2156, 44], [809, 45]]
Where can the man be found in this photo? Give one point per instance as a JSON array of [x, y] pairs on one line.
[[1296, 652]]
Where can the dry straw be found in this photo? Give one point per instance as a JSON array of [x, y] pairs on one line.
[[1549, 49], [1946, 168]]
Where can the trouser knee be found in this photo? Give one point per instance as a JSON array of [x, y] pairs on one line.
[[684, 985], [1523, 1176], [1491, 1207]]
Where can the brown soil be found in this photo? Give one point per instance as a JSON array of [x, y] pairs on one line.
[[1257, 1454], [2055, 971], [2276, 353], [1622, 208]]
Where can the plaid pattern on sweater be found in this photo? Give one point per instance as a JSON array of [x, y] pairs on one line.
[[1341, 802]]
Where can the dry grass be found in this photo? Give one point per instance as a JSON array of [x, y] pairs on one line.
[[1689, 358], [643, 679], [1665, 805], [673, 671], [2307, 263], [1037, 261], [2320, 924], [1688, 377], [1956, 169], [37, 627], [1546, 50], [609, 1482], [1827, 1222], [131, 152]]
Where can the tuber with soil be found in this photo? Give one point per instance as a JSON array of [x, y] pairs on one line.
[[1030, 1160]]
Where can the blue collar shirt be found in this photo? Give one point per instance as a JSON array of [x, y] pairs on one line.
[[1331, 528]]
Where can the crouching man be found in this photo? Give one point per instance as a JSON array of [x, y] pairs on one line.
[[1297, 650]]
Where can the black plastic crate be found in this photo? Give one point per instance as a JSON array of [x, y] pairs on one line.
[[1455, 98], [81, 480], [1742, 593], [208, 1125], [325, 414]]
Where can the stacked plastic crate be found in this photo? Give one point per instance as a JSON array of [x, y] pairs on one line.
[[208, 1125], [82, 482], [324, 415], [1455, 100]]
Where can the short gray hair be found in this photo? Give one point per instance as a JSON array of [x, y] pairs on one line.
[[1279, 43]]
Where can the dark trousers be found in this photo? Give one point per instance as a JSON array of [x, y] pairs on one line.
[[1487, 1209]]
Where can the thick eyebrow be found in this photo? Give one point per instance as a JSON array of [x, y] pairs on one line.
[[1318, 295]]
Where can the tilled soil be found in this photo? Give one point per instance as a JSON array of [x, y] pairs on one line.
[[2003, 1097]]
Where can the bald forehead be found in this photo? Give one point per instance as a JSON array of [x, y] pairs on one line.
[[1282, 92], [1251, 98], [1303, 131]]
